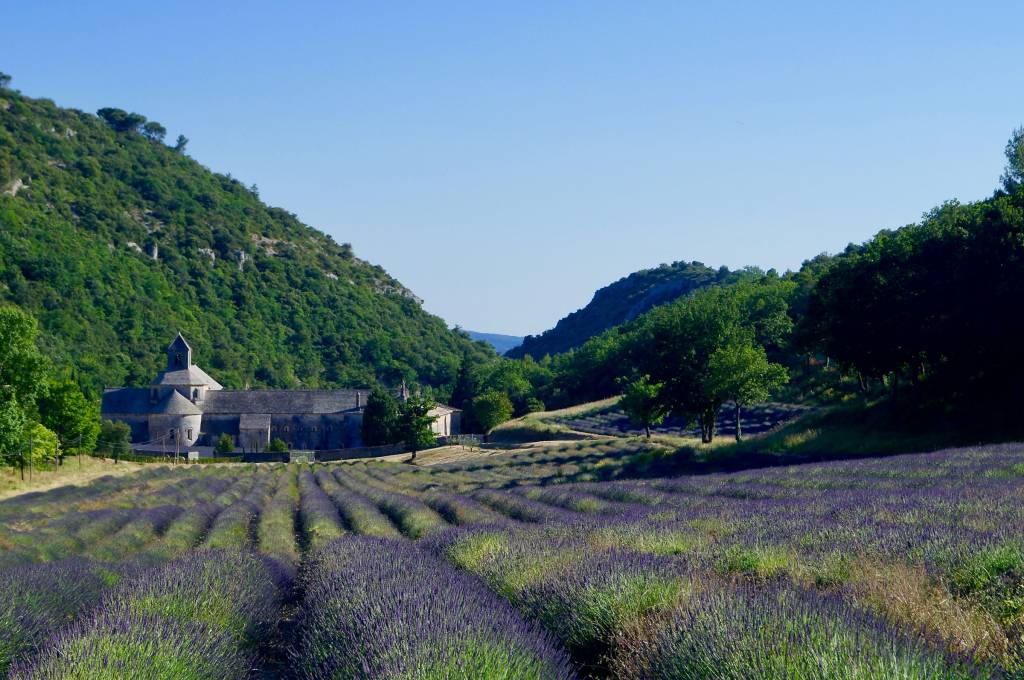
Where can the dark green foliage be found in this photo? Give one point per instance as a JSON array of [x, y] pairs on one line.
[[380, 419], [936, 303], [1013, 175], [300, 310], [277, 446], [114, 438], [491, 409], [414, 421], [225, 444], [5, 80], [623, 301], [75, 419], [641, 400], [154, 130]]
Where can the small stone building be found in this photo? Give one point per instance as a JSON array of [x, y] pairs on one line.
[[185, 408]]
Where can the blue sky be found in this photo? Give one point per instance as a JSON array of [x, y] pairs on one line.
[[504, 160]]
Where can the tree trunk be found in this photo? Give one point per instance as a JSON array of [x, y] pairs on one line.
[[647, 429], [739, 429]]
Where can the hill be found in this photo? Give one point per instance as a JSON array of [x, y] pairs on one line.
[[500, 343], [623, 301], [115, 240]]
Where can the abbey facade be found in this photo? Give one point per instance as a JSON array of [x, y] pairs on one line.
[[184, 408]]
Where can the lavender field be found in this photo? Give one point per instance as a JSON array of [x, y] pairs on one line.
[[516, 566]]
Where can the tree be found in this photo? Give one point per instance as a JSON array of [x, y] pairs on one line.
[[490, 409], [5, 80], [414, 421], [121, 120], [22, 375], [277, 446], [43, 445], [181, 143], [13, 424], [534, 405], [75, 419], [643, 403], [225, 444], [22, 366], [380, 419], [114, 439], [1013, 174], [741, 373], [465, 387], [154, 130]]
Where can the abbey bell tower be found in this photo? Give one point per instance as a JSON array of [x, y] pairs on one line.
[[179, 354]]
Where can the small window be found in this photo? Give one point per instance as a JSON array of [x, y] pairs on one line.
[[177, 359], [190, 433]]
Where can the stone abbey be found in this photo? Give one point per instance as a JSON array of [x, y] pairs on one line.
[[184, 408]]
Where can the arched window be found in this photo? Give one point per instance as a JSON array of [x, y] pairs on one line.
[[177, 359], [195, 394]]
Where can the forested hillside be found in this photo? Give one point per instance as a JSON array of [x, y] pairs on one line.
[[623, 301], [115, 240]]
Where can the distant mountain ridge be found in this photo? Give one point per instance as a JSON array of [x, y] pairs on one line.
[[116, 241], [501, 343], [622, 301]]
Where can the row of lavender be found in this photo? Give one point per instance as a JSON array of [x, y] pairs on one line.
[[77, 560], [908, 567], [902, 567]]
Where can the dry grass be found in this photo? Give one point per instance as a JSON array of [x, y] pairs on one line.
[[913, 599], [74, 471]]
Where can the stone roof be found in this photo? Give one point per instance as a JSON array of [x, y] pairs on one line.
[[175, 404], [179, 343], [126, 400], [282, 401], [191, 376], [254, 421]]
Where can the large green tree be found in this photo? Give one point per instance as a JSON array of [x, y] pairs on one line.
[[741, 373], [490, 409], [22, 379], [114, 439], [13, 424], [414, 421], [22, 366], [75, 419], [643, 403], [380, 419], [674, 344]]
